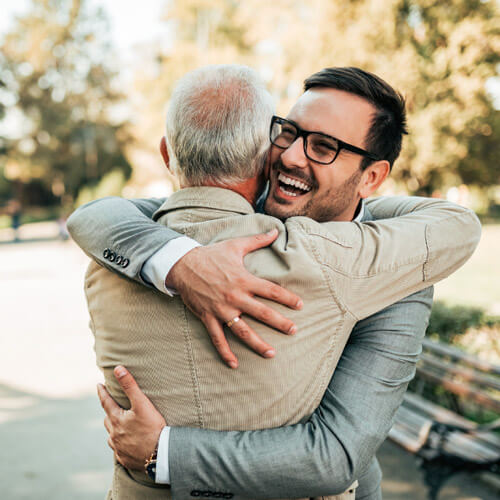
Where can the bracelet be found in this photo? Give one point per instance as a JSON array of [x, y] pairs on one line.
[[150, 464]]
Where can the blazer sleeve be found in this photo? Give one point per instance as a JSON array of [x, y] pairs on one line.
[[374, 264], [326, 454], [111, 227]]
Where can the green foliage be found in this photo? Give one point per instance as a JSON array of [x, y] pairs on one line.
[[452, 324], [110, 185], [448, 322], [56, 71], [439, 54], [55, 65]]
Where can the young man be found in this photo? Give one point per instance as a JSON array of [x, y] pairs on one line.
[[348, 271]]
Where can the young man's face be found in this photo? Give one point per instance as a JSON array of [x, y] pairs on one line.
[[332, 191]]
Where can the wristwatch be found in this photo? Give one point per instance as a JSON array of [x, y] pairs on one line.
[[150, 465]]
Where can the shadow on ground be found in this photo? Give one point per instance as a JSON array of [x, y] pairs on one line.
[[52, 449]]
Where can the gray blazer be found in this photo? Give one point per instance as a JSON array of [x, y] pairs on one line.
[[327, 453]]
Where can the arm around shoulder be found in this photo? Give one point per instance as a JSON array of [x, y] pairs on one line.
[[379, 262], [114, 227]]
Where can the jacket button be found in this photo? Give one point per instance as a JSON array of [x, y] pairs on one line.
[[125, 263], [228, 495], [119, 259], [112, 256], [106, 252], [195, 493]]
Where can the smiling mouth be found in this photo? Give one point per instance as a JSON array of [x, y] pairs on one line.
[[292, 187]]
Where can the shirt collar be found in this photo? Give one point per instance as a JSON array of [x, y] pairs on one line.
[[222, 199], [360, 211]]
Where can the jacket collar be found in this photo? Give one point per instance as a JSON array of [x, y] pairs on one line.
[[206, 197], [224, 200]]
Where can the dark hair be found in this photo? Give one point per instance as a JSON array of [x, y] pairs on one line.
[[389, 122]]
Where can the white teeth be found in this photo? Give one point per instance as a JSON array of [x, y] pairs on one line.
[[293, 182]]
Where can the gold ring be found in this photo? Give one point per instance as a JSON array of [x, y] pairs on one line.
[[233, 321]]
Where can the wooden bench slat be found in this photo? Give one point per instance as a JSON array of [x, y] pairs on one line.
[[435, 411], [406, 442], [455, 353], [468, 447], [460, 389], [433, 432], [416, 427], [465, 373]]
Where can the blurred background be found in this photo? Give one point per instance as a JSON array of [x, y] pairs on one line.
[[84, 86]]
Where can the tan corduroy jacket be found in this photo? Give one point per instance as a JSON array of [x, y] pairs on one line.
[[344, 271]]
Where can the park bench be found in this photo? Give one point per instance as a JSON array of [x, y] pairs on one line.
[[445, 441]]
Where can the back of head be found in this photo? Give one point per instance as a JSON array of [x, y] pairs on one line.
[[385, 135], [218, 125]]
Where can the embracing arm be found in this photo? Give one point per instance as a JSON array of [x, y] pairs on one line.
[[212, 280], [374, 264], [124, 227], [326, 454]]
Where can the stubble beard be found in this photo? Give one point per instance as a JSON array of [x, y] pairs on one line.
[[326, 207]]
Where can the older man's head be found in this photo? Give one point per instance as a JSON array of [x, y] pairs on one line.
[[218, 125]]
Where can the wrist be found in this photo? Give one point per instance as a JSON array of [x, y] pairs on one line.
[[173, 277]]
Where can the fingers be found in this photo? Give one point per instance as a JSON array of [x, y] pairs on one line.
[[109, 406], [249, 337], [219, 341], [267, 315], [129, 386], [272, 291], [248, 244]]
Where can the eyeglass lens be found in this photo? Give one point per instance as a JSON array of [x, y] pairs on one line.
[[318, 147]]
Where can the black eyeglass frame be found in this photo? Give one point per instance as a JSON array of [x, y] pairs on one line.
[[305, 133]]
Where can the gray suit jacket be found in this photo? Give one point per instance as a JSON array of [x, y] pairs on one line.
[[327, 453]]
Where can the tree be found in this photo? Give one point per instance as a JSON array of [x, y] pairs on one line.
[[439, 54], [61, 98]]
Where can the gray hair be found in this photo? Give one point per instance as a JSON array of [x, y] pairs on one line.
[[218, 125]]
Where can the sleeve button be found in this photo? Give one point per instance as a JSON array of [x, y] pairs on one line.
[[125, 262], [106, 253], [119, 259]]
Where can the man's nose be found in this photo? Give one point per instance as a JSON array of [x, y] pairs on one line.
[[294, 155]]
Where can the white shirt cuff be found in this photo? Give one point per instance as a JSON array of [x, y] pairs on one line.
[[162, 467], [157, 267]]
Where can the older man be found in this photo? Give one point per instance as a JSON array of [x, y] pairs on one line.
[[345, 272]]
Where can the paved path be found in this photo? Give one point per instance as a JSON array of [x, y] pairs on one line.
[[52, 442]]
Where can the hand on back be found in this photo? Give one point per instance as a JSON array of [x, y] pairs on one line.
[[214, 284]]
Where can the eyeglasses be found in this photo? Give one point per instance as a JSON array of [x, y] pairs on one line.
[[318, 147]]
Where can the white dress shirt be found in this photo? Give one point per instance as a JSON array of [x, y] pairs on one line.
[[155, 271]]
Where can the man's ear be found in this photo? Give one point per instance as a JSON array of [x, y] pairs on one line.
[[164, 152], [372, 177]]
